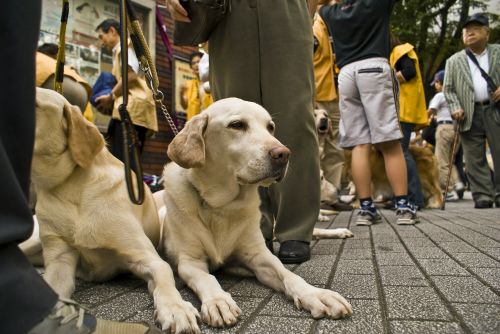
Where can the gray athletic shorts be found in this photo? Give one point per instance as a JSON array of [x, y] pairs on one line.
[[368, 103]]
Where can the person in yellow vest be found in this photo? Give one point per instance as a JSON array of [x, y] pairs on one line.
[[332, 156], [190, 91], [75, 89], [412, 108], [141, 105]]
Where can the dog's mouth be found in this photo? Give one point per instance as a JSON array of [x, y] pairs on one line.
[[323, 126], [266, 180]]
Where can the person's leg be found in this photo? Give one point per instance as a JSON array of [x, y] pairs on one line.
[[360, 170], [277, 42], [26, 298], [478, 172], [414, 187], [492, 127], [395, 166]]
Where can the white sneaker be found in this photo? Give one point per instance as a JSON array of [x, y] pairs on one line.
[[452, 196]]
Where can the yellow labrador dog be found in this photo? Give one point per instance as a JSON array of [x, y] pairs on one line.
[[88, 226], [212, 219]]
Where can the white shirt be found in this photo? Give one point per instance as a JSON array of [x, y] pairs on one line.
[[439, 104], [203, 68], [480, 86], [133, 62]]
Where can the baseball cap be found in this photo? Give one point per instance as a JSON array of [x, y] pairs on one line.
[[478, 18], [439, 76]]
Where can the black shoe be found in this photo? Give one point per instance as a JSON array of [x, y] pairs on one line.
[[483, 204], [269, 245], [294, 251], [339, 206]]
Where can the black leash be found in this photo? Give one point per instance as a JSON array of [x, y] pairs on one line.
[[130, 142]]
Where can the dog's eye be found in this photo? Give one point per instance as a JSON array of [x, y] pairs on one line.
[[270, 128], [237, 125]]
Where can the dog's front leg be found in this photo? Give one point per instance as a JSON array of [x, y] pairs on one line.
[[172, 312], [270, 271], [60, 265], [218, 309]]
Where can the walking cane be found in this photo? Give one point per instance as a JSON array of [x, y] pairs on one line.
[[450, 162]]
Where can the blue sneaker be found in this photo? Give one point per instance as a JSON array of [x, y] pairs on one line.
[[406, 213], [367, 215]]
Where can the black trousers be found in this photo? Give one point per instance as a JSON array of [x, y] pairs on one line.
[[25, 297]]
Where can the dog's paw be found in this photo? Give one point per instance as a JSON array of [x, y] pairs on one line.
[[220, 311], [324, 303], [181, 317], [323, 218], [344, 233]]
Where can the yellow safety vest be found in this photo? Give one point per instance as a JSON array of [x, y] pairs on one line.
[[323, 63], [412, 107]]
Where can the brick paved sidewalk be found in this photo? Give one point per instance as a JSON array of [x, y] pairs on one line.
[[440, 276]]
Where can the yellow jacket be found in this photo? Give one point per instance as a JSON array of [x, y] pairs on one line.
[[412, 108], [141, 105], [323, 63], [46, 67], [194, 104]]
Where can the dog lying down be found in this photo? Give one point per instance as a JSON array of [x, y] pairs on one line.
[[88, 226], [212, 220]]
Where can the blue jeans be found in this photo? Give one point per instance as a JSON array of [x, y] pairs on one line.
[[414, 188]]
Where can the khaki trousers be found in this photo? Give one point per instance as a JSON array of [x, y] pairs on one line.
[[444, 142], [262, 52]]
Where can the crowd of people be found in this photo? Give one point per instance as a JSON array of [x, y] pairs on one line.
[[294, 58]]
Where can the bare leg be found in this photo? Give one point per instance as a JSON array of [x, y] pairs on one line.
[[360, 169], [395, 166]]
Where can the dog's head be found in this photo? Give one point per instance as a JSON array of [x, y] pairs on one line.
[[322, 121], [234, 136], [64, 139]]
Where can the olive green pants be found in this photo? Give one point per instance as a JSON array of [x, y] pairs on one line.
[[262, 52]]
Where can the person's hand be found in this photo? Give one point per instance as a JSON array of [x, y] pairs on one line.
[[177, 11], [400, 77], [458, 114], [496, 95], [105, 104]]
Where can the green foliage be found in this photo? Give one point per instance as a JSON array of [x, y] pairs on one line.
[[434, 27]]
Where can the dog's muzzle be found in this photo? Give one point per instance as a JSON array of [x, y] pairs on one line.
[[323, 125], [280, 156]]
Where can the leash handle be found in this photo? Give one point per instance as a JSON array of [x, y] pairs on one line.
[[129, 134], [61, 55]]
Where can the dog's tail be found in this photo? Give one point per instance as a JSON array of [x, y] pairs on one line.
[[32, 247]]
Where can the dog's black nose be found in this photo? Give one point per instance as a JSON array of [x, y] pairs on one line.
[[323, 124], [279, 156]]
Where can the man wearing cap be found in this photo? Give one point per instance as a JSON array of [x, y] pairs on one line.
[[472, 103]]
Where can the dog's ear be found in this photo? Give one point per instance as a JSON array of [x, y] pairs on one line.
[[84, 139], [187, 149]]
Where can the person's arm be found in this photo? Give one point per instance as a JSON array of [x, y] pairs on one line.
[[405, 69], [177, 11], [457, 112], [105, 102]]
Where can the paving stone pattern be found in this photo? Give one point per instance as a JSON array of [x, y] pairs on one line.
[[439, 276]]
